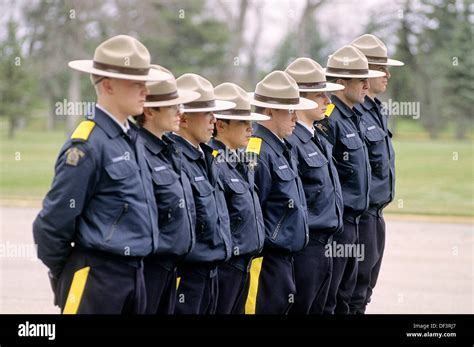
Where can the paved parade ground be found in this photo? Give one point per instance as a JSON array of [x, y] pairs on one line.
[[428, 267]]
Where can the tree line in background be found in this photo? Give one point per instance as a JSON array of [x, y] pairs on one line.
[[434, 38]]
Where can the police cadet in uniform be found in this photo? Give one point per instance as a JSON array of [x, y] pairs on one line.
[[382, 161], [349, 67], [100, 199], [173, 193], [281, 194], [233, 130], [318, 173], [198, 287]]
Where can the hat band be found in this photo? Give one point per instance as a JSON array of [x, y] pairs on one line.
[[313, 85], [162, 97], [271, 100], [235, 112], [373, 59], [347, 71], [200, 104], [121, 69]]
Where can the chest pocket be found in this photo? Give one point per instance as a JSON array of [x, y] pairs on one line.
[[352, 143], [236, 185], [203, 187], [374, 134], [284, 173], [164, 177], [121, 170], [314, 160]]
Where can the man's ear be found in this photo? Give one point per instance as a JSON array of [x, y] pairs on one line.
[[147, 111], [107, 86], [220, 124], [341, 81], [183, 120]]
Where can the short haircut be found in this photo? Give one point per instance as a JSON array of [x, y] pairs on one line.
[[141, 119], [214, 133]]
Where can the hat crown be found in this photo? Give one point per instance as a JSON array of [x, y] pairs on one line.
[[162, 87], [306, 70], [278, 84], [232, 92], [123, 51], [371, 46], [196, 83], [348, 58]]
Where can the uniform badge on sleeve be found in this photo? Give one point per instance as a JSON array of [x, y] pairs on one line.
[[73, 155]]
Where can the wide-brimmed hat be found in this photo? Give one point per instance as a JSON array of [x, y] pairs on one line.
[[242, 110], [278, 90], [349, 62], [122, 57], [375, 50], [166, 93], [207, 101], [310, 77]]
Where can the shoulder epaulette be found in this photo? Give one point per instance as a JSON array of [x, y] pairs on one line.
[[83, 130], [254, 145]]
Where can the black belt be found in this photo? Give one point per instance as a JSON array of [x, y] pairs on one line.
[[133, 261]]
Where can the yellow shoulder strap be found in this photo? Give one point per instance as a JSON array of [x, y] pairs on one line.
[[83, 130], [254, 145], [329, 110]]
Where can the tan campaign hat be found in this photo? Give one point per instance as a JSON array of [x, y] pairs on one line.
[[349, 62], [122, 57], [375, 50], [242, 111], [207, 101], [310, 77], [166, 93], [278, 90]]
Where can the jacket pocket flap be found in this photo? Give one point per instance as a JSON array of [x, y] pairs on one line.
[[121, 169], [353, 142]]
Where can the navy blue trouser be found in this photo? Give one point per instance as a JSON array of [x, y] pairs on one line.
[[276, 284], [98, 282], [313, 270], [233, 282], [160, 283], [344, 273], [198, 289], [372, 236]]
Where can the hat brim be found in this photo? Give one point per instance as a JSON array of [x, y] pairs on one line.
[[390, 62], [220, 105], [304, 104], [253, 117], [330, 87], [184, 97], [88, 67], [371, 74]]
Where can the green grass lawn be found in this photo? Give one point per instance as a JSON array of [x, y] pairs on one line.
[[27, 163], [429, 181]]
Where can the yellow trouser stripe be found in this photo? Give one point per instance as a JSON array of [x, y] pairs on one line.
[[255, 269], [178, 279], [77, 289]]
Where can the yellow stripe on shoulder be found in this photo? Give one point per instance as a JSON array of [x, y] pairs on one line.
[[254, 145], [83, 130]]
